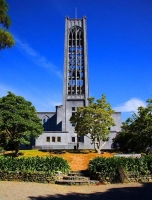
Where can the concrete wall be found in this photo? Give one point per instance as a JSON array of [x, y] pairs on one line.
[[66, 136], [69, 112], [117, 119], [65, 143], [48, 120]]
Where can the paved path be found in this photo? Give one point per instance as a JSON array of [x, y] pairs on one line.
[[38, 191]]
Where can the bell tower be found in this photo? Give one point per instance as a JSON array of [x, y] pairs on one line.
[[75, 86]]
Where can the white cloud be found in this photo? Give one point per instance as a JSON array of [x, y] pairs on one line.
[[38, 59], [27, 49], [130, 105]]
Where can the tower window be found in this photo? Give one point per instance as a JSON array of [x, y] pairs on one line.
[[81, 138], [58, 139], [45, 119], [73, 114], [53, 139], [47, 139], [73, 108]]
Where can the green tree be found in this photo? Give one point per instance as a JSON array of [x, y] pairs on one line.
[[3, 140], [6, 39], [18, 121], [94, 121], [136, 131]]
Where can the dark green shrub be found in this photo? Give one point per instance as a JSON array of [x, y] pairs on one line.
[[106, 168], [148, 160], [137, 166], [33, 164], [117, 169]]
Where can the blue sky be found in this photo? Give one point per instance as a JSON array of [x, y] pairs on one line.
[[119, 51]]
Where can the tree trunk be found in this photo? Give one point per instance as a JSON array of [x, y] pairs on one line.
[[17, 148], [99, 147]]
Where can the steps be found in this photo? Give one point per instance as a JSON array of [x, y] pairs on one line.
[[77, 178]]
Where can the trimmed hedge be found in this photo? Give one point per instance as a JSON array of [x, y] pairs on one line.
[[34, 164], [119, 169]]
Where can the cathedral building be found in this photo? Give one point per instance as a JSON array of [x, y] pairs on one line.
[[59, 132]]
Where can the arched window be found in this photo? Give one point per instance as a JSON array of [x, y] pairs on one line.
[[76, 61], [75, 36], [45, 119]]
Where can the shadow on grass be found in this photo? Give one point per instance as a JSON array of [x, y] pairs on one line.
[[53, 151], [12, 154], [125, 193], [69, 151]]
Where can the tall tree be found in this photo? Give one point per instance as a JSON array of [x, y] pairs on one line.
[[6, 39], [136, 133], [18, 120], [94, 120]]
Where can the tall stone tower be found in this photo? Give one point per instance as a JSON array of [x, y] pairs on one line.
[[75, 85], [58, 132]]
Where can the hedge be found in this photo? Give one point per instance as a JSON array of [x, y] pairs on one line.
[[119, 169], [37, 169], [32, 164]]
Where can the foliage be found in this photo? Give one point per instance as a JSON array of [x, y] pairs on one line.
[[34, 164], [113, 168], [18, 121], [95, 119], [136, 131], [6, 39], [148, 160], [3, 140]]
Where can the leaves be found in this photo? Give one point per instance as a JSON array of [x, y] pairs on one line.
[[33, 164], [136, 131], [18, 119], [109, 167], [4, 19], [6, 39], [96, 119]]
